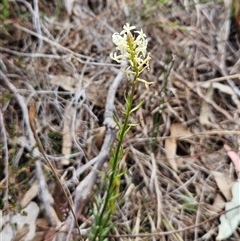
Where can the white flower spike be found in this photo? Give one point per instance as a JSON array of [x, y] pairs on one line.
[[132, 49]]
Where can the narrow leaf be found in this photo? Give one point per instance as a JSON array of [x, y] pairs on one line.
[[137, 107]]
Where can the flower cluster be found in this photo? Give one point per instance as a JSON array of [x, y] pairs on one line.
[[132, 49]]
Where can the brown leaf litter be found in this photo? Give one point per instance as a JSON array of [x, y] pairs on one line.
[[178, 173]]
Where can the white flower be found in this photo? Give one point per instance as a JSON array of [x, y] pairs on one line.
[[127, 29], [118, 39], [132, 49]]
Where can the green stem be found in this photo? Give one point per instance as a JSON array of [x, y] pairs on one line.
[[116, 157]]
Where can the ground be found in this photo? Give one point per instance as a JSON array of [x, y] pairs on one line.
[[56, 85]]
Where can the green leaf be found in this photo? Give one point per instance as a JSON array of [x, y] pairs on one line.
[[121, 174], [115, 197], [133, 124], [117, 122], [125, 133], [106, 230], [5, 9], [106, 218], [97, 218], [137, 107], [95, 228], [126, 99], [189, 202]]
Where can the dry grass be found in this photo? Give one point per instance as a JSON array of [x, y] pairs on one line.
[[61, 61]]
